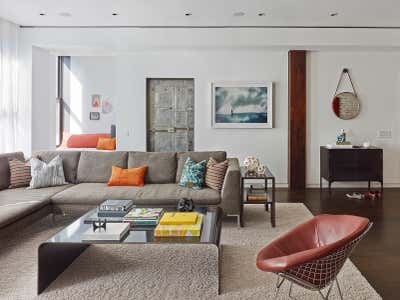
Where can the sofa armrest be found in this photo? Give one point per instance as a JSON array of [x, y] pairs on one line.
[[230, 193]]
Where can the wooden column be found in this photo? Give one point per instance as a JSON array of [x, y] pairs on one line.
[[297, 119]]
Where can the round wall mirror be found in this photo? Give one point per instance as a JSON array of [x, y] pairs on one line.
[[346, 106]]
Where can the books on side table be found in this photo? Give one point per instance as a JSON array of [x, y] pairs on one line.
[[179, 224], [257, 193], [112, 232]]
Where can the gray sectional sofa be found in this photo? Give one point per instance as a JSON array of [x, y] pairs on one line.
[[88, 171]]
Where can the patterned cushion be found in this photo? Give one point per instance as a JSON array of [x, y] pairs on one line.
[[193, 174], [20, 173], [215, 173], [46, 175]]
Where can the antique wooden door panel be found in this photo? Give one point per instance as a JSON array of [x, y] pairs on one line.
[[170, 115]]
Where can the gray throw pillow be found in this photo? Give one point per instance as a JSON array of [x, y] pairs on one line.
[[46, 175]]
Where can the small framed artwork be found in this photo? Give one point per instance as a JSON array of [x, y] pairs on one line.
[[242, 105], [96, 101], [94, 115]]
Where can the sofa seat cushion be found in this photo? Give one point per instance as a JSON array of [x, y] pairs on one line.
[[20, 202], [150, 194]]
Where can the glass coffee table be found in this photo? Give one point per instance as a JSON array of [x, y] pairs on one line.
[[59, 251]]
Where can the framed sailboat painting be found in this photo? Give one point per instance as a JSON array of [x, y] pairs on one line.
[[242, 105]]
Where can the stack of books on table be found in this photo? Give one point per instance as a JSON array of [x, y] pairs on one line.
[[114, 208], [139, 216], [257, 193], [179, 224]]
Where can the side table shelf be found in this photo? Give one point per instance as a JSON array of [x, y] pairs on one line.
[[267, 186]]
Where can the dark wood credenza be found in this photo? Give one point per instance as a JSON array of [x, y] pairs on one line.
[[357, 164]]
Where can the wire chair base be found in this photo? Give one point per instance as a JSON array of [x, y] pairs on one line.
[[281, 280]]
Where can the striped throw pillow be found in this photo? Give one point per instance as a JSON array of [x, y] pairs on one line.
[[45, 175], [215, 173], [20, 173]]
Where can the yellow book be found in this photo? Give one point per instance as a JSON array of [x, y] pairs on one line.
[[179, 218], [179, 230]]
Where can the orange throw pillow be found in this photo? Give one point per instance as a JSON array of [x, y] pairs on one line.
[[106, 144], [85, 140], [133, 176]]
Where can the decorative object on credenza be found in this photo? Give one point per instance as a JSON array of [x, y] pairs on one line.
[[341, 141], [96, 100], [242, 105], [366, 144], [94, 115], [346, 105], [185, 204], [251, 164], [341, 138]]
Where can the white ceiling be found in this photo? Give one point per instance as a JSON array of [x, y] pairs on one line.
[[309, 13]]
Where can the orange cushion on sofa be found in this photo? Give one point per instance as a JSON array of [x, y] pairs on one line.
[[86, 140], [106, 144], [133, 176]]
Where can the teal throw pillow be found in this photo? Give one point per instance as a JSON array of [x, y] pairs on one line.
[[193, 174]]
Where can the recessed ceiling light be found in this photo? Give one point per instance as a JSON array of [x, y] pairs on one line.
[[65, 14], [42, 14], [238, 14], [188, 14], [261, 14], [334, 14], [115, 14]]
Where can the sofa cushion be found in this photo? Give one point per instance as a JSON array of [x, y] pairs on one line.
[[161, 165], [150, 194], [70, 162], [196, 156], [96, 166], [5, 168], [20, 202]]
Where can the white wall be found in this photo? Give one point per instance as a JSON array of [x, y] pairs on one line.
[[376, 76], [83, 77], [44, 95], [206, 66], [242, 54]]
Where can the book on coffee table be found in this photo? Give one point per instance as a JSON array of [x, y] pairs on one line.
[[180, 230], [112, 232], [141, 216], [116, 205]]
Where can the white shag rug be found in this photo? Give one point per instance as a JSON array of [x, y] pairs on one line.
[[164, 271]]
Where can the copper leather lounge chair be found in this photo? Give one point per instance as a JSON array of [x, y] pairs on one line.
[[313, 253]]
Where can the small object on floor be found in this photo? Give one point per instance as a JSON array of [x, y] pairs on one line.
[[373, 195], [355, 195]]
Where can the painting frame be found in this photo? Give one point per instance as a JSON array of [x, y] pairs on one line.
[[94, 116], [268, 85]]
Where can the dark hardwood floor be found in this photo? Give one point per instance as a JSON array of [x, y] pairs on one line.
[[378, 255]]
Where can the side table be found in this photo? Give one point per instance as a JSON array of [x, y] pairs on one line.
[[268, 180]]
